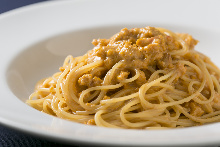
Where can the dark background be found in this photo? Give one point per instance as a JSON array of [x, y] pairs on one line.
[[7, 5], [14, 138]]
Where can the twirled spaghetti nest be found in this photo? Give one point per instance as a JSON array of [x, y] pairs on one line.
[[140, 78]]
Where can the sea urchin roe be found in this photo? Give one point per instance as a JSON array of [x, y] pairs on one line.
[[89, 80], [138, 47], [122, 76], [139, 78]]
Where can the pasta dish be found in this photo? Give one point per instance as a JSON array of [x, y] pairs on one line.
[[140, 78]]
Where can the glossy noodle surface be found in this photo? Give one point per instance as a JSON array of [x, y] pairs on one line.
[[142, 78]]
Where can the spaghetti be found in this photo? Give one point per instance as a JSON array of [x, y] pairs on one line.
[[138, 79]]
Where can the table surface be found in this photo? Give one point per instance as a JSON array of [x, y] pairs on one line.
[[14, 138]]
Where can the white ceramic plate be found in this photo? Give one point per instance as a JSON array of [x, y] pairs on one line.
[[34, 41]]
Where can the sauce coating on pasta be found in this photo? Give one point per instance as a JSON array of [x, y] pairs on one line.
[[138, 79]]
